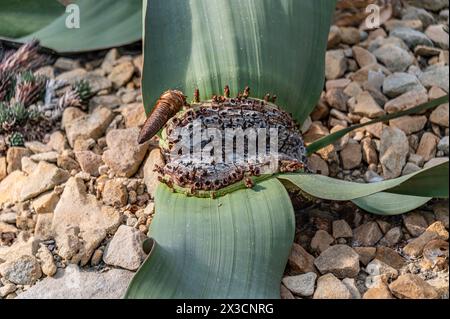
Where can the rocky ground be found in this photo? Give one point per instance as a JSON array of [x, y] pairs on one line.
[[75, 207]]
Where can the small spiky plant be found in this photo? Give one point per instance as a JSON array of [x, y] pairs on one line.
[[16, 139], [28, 102]]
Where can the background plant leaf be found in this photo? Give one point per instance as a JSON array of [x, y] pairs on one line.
[[235, 246], [329, 139], [21, 17], [103, 24], [390, 204], [429, 182], [273, 46]]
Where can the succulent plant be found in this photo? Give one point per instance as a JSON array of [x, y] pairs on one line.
[[225, 230], [16, 139]]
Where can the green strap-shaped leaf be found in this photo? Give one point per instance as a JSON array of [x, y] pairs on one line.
[[272, 46], [21, 17], [390, 204], [429, 182], [329, 139], [103, 24], [235, 246]]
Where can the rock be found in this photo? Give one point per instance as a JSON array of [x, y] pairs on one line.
[[379, 292], [440, 284], [47, 263], [437, 34], [89, 126], [435, 255], [154, 159], [124, 154], [337, 84], [77, 209], [411, 37], [8, 218], [435, 231], [413, 13], [50, 157], [7, 289], [394, 58], [125, 249], [317, 165], [121, 74], [394, 149], [57, 142], [329, 287], [321, 241], [7, 228], [285, 293], [390, 257], [300, 260], [411, 286], [433, 5], [406, 101], [367, 234], [3, 170], [392, 237], [443, 145], [351, 286], [109, 101], [409, 124], [72, 76], [366, 254], [410, 24], [115, 193], [337, 98], [435, 75], [335, 64], [425, 51], [440, 116], [45, 177], [97, 82], [399, 83], [351, 155], [11, 186], [350, 35], [340, 260], [427, 147], [89, 162], [134, 114], [46, 203], [66, 64], [367, 106], [415, 223], [363, 57], [334, 37], [302, 285], [369, 152], [353, 89], [72, 283], [416, 159], [66, 162], [440, 210], [24, 270], [341, 229], [37, 147], [14, 158], [97, 257], [21, 247]]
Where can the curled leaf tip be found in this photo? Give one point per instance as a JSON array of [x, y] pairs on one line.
[[169, 104]]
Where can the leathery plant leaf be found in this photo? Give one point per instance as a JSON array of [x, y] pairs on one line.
[[329, 139], [429, 182], [103, 24], [390, 204], [235, 246], [272, 46], [21, 17]]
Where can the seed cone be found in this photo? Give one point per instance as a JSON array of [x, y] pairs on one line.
[[169, 104]]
